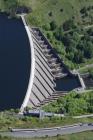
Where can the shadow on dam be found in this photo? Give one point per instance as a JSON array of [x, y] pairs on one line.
[[14, 62], [88, 80]]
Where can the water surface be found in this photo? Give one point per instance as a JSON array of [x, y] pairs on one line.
[[14, 62], [67, 83]]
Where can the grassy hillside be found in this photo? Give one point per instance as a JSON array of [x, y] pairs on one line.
[[61, 10], [65, 23], [46, 11]]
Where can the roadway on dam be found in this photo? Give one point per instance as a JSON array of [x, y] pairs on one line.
[[27, 133]]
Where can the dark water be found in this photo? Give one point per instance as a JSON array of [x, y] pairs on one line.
[[67, 83], [14, 62]]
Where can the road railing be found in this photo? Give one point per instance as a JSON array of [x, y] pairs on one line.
[[45, 129]]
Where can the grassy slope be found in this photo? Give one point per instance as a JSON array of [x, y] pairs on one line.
[[41, 9], [1, 5]]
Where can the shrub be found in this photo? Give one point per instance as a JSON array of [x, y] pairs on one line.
[[49, 35], [53, 25], [61, 10], [46, 27], [69, 24], [83, 10], [50, 14]]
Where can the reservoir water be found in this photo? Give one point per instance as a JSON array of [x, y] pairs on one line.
[[14, 62]]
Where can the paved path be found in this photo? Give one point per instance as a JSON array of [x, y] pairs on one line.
[[50, 131], [83, 116], [86, 66]]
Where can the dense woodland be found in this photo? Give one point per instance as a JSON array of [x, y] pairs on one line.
[[71, 40], [72, 104]]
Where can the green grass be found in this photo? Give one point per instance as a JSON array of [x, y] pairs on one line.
[[41, 9], [61, 10], [7, 121], [40, 17], [1, 5]]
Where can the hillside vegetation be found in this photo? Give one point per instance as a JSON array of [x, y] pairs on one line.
[[68, 25], [44, 11], [72, 104]]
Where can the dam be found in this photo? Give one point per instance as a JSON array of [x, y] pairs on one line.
[[30, 69]]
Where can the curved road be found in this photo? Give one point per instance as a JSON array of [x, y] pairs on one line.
[[29, 133]]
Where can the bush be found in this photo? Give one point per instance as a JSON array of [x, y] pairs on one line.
[[46, 27], [83, 10], [49, 35], [91, 73], [72, 104], [59, 34], [61, 10], [50, 14], [53, 25], [33, 20], [69, 24]]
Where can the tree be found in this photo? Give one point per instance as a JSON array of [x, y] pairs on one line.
[[91, 73], [79, 57], [59, 34], [53, 25], [90, 31], [88, 52], [83, 10], [66, 39], [90, 102], [71, 56], [46, 26], [69, 24], [50, 14], [49, 35]]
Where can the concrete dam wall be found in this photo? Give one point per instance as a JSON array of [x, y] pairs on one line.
[[31, 72]]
